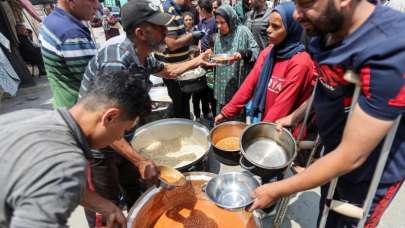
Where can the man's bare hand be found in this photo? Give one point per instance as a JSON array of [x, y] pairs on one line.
[[219, 118], [116, 220], [286, 121], [204, 59], [237, 56], [264, 196], [148, 170]]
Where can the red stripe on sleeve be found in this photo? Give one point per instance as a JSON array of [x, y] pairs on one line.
[[365, 77], [399, 100]]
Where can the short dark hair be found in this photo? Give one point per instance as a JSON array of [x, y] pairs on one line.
[[219, 2], [130, 30], [118, 88], [205, 5], [188, 13]]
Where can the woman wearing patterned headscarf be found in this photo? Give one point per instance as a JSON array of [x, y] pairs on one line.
[[237, 40], [281, 79]]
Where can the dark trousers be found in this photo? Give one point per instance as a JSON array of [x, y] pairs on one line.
[[203, 97], [181, 100], [212, 101], [31, 54], [111, 176], [356, 193]]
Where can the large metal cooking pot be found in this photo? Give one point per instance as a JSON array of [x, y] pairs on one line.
[[169, 129], [225, 130], [266, 151], [186, 206]]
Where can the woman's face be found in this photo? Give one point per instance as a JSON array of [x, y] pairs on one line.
[[276, 30], [188, 22], [223, 27]]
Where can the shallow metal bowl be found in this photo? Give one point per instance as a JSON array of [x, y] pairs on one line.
[[231, 190], [222, 59]]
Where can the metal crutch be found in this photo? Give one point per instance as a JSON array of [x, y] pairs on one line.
[[348, 209], [385, 151], [283, 205], [349, 76]]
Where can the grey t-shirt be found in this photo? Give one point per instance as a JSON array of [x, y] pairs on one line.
[[258, 22], [42, 169]]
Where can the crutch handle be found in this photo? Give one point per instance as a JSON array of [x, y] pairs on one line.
[[306, 145], [346, 209], [352, 77]]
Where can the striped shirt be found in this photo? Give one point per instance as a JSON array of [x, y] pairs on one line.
[[116, 57], [67, 47], [175, 29]]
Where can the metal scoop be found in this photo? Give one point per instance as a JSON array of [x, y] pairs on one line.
[[170, 178]]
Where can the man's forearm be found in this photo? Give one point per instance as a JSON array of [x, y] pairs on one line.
[[93, 201], [299, 113], [123, 148], [176, 43], [319, 173], [361, 135], [179, 68], [174, 70]]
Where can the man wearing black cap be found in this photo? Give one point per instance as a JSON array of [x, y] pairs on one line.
[[145, 27], [178, 50]]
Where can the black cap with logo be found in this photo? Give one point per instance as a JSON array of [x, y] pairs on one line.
[[134, 12]]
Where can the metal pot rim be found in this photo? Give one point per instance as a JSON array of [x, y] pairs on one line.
[[244, 154], [180, 121], [150, 192], [234, 122]]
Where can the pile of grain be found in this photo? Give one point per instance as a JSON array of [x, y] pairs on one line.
[[173, 153], [228, 144]]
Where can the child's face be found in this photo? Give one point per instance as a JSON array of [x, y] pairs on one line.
[[188, 22]]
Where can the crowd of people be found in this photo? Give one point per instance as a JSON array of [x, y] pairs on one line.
[[279, 54]]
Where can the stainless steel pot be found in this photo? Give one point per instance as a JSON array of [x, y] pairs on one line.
[[168, 129], [224, 130], [266, 151], [156, 202]]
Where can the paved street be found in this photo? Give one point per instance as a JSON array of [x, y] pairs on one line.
[[303, 207]]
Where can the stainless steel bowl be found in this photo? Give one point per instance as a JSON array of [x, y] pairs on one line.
[[231, 190]]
